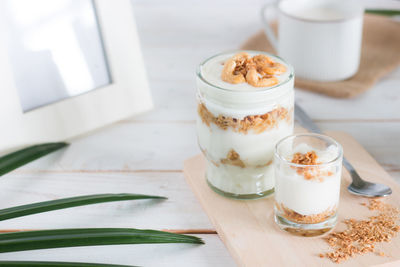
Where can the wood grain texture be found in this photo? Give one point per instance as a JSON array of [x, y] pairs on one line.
[[251, 235], [130, 147], [180, 211]]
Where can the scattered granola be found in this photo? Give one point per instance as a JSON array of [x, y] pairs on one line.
[[257, 71], [361, 236], [257, 123]]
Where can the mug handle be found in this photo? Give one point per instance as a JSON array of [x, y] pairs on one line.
[[267, 27]]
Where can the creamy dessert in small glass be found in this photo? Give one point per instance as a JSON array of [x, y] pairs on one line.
[[245, 106], [308, 169]]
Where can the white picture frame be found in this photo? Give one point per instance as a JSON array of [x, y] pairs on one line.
[[128, 93]]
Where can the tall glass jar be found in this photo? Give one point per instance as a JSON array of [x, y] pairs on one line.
[[238, 127]]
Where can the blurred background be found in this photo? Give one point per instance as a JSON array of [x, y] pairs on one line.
[[177, 35]]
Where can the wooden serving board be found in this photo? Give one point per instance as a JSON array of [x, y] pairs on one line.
[[249, 232]]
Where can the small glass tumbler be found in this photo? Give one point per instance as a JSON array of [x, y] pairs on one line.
[[308, 171]]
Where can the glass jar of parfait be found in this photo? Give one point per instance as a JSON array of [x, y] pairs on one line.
[[245, 106]]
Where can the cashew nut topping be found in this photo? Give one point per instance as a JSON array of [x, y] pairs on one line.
[[257, 71], [234, 69], [275, 68], [253, 78]]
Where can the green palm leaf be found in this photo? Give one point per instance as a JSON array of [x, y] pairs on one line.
[[63, 203], [384, 12], [55, 264], [21, 157], [30, 240]]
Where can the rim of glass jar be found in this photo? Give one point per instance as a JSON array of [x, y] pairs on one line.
[[262, 89], [321, 136]]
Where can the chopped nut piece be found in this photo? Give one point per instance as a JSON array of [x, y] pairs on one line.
[[234, 70], [310, 158], [253, 78], [233, 158]]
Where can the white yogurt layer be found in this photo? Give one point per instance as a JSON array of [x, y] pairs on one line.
[[309, 197], [255, 149], [241, 181]]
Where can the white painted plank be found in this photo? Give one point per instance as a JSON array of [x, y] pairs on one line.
[[126, 146], [164, 146], [213, 253], [180, 211], [176, 101], [382, 102]]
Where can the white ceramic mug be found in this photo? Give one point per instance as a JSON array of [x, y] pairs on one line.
[[321, 39]]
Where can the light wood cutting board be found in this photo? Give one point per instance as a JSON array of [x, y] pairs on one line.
[[249, 232]]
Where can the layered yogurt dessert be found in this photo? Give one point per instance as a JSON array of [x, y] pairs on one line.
[[245, 105], [307, 182]]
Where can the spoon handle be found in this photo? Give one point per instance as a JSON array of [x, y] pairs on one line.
[[368, 189], [305, 121]]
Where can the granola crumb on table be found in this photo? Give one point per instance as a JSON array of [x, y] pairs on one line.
[[361, 236]]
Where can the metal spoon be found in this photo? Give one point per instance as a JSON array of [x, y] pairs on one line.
[[358, 186]]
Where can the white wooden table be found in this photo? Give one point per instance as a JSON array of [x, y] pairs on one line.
[[145, 154]]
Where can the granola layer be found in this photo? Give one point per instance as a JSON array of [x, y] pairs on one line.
[[233, 158], [293, 216], [257, 123]]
